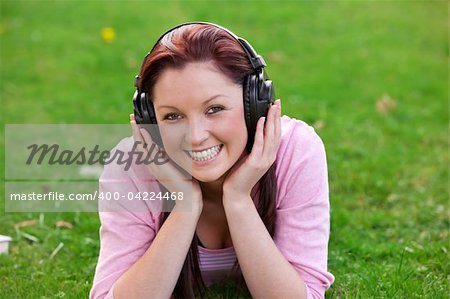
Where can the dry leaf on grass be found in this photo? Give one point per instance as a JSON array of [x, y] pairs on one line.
[[276, 56], [64, 224], [386, 104], [25, 223], [319, 124]]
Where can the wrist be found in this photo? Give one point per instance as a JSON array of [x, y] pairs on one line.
[[195, 207], [230, 192], [236, 200]]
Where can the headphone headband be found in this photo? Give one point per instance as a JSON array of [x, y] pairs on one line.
[[256, 60]]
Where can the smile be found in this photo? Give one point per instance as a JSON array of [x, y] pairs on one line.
[[205, 155]]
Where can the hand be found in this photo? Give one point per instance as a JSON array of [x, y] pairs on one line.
[[168, 174], [249, 169]]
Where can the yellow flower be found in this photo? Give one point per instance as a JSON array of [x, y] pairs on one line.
[[108, 34]]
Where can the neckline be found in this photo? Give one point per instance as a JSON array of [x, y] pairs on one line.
[[216, 250]]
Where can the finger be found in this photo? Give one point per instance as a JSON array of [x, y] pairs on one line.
[[278, 124], [277, 115], [146, 136], [271, 126], [269, 130], [149, 143], [274, 145], [137, 135], [258, 144]]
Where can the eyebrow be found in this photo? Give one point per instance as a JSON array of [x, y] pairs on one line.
[[206, 102]]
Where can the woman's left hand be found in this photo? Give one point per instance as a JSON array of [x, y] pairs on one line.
[[247, 171]]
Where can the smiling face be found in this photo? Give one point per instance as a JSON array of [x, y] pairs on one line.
[[201, 116]]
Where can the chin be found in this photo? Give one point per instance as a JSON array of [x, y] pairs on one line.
[[205, 178]]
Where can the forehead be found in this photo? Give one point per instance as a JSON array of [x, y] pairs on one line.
[[195, 82]]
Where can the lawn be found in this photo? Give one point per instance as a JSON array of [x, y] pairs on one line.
[[371, 77]]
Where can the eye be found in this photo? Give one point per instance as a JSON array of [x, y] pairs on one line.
[[171, 116], [215, 109]]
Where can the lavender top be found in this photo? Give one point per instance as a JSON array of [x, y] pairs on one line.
[[302, 224]]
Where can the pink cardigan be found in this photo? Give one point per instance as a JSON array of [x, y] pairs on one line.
[[302, 225]]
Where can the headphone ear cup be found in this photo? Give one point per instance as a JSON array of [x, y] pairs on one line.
[[258, 95], [266, 89], [251, 118], [149, 109], [137, 107], [149, 119], [144, 109]]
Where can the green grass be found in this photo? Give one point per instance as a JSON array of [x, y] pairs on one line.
[[331, 63]]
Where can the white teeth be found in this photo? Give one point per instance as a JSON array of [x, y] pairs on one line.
[[206, 154]]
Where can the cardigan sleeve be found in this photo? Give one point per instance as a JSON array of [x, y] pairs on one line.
[[303, 211], [127, 229]]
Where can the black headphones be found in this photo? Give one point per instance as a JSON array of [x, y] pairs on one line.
[[258, 92]]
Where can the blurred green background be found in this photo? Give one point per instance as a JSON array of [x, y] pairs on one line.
[[371, 77]]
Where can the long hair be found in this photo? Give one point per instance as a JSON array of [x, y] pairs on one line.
[[204, 43]]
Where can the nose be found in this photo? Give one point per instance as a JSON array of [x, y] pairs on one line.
[[198, 133]]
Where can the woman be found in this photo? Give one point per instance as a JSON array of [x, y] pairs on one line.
[[259, 209]]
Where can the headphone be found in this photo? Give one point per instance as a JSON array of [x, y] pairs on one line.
[[258, 91]]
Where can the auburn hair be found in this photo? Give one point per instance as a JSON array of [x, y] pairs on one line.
[[205, 43]]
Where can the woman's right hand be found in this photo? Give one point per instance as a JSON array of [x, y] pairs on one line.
[[178, 180]]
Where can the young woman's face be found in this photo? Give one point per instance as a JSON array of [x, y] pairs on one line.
[[201, 116]]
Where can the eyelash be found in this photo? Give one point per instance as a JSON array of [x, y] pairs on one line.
[[169, 115], [214, 107]]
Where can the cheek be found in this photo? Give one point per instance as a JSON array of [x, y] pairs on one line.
[[232, 129], [172, 137]]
